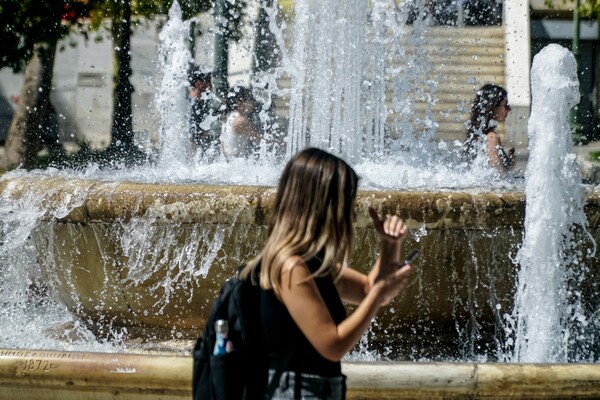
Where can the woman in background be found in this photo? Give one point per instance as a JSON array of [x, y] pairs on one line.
[[490, 107]]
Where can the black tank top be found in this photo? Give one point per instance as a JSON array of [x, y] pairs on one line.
[[280, 328]]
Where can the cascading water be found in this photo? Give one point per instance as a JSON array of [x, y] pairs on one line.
[[548, 312], [356, 78], [327, 71], [30, 315], [353, 89]]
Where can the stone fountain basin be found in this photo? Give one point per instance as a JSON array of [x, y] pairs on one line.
[[465, 272]]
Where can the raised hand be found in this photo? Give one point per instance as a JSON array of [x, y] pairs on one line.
[[511, 157], [391, 228]]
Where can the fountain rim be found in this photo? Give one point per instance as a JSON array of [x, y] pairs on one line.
[[110, 201]]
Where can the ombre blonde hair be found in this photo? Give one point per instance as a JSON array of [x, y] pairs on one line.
[[311, 216]]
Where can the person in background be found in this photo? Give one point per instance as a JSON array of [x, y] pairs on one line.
[[240, 136], [200, 117], [304, 276], [490, 108]]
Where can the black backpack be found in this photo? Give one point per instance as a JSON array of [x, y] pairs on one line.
[[243, 373]]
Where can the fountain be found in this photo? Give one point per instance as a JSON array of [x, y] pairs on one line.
[[93, 264], [550, 314]]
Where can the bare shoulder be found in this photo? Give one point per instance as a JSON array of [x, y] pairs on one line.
[[294, 271], [493, 137], [292, 264], [240, 122]]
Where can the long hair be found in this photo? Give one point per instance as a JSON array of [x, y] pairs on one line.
[[311, 216], [487, 99]]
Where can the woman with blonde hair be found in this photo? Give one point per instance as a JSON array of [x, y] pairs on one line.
[[304, 277]]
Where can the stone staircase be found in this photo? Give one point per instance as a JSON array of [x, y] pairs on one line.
[[462, 60]]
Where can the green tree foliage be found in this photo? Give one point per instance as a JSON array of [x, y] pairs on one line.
[[23, 23], [103, 9], [590, 9], [587, 8]]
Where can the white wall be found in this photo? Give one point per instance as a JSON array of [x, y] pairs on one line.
[[518, 59]]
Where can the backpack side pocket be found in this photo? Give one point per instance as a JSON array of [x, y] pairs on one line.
[[226, 376]]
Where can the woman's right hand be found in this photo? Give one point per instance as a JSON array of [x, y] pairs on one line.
[[393, 284], [511, 157]]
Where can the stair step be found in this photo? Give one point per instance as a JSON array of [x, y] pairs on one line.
[[449, 32], [482, 60], [468, 70], [459, 60]]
